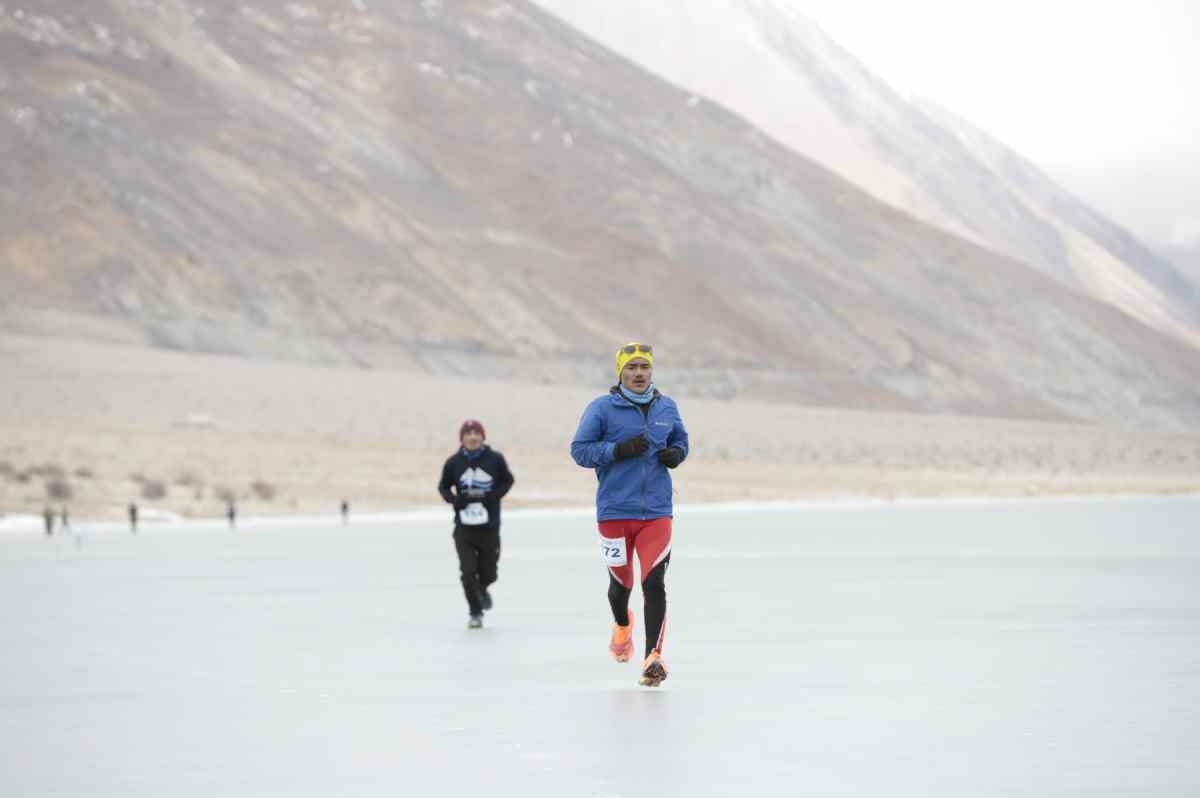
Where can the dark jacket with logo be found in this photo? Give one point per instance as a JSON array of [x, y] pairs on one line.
[[477, 478]]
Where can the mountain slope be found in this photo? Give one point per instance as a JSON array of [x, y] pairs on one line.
[[766, 61], [478, 189], [1185, 258], [1099, 253]]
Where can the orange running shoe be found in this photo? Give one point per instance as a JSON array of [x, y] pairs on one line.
[[621, 643], [654, 670]]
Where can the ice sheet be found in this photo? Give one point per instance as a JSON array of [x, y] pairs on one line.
[[982, 648]]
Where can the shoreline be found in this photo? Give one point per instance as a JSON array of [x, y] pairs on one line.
[[21, 523]]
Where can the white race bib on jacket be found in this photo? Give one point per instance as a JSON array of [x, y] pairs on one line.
[[474, 514]]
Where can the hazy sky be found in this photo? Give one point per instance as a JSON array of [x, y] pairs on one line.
[[1103, 95]]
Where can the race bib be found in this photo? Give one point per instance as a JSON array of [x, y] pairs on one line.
[[474, 514], [613, 551]]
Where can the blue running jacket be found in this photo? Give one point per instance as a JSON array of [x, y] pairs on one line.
[[639, 487]]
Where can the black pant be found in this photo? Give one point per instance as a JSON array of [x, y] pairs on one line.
[[478, 559], [654, 598]]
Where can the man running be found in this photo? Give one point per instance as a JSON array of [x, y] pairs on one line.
[[480, 478], [631, 436]]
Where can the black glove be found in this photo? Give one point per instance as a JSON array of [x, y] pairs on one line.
[[671, 456], [460, 501], [631, 447]]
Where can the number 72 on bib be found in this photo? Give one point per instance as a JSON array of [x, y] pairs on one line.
[[612, 550]]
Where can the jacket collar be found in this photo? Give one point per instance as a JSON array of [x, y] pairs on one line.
[[475, 455], [617, 398]]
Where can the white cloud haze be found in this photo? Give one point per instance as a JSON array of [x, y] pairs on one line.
[[1101, 95]]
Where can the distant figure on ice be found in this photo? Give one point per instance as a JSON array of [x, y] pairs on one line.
[[345, 511], [133, 513], [231, 514], [631, 436], [48, 518], [474, 480], [64, 519]]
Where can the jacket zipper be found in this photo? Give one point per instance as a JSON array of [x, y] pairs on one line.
[[646, 435]]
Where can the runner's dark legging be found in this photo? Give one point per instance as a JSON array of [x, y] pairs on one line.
[[478, 559], [654, 592]]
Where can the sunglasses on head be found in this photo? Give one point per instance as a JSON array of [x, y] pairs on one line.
[[629, 349]]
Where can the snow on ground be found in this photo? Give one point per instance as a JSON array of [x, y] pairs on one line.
[[907, 649]]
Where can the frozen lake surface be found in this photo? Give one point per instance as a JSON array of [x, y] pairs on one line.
[[925, 649]]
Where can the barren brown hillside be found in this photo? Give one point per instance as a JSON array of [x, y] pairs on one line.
[[471, 188]]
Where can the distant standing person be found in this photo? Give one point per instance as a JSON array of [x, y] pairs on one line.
[[345, 511], [231, 514], [64, 519], [474, 480], [133, 518], [632, 436], [48, 518]]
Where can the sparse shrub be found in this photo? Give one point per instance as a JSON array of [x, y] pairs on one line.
[[188, 479], [49, 471], [137, 478], [83, 472], [6, 469], [224, 493], [21, 477], [263, 490], [154, 489], [59, 489]]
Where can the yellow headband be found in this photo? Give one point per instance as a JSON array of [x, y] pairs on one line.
[[646, 353]]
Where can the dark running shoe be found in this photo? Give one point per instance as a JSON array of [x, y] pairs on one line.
[[654, 670], [476, 622], [485, 598]]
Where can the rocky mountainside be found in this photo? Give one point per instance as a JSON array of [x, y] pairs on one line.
[[476, 188], [1103, 260], [1185, 258], [765, 60]]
